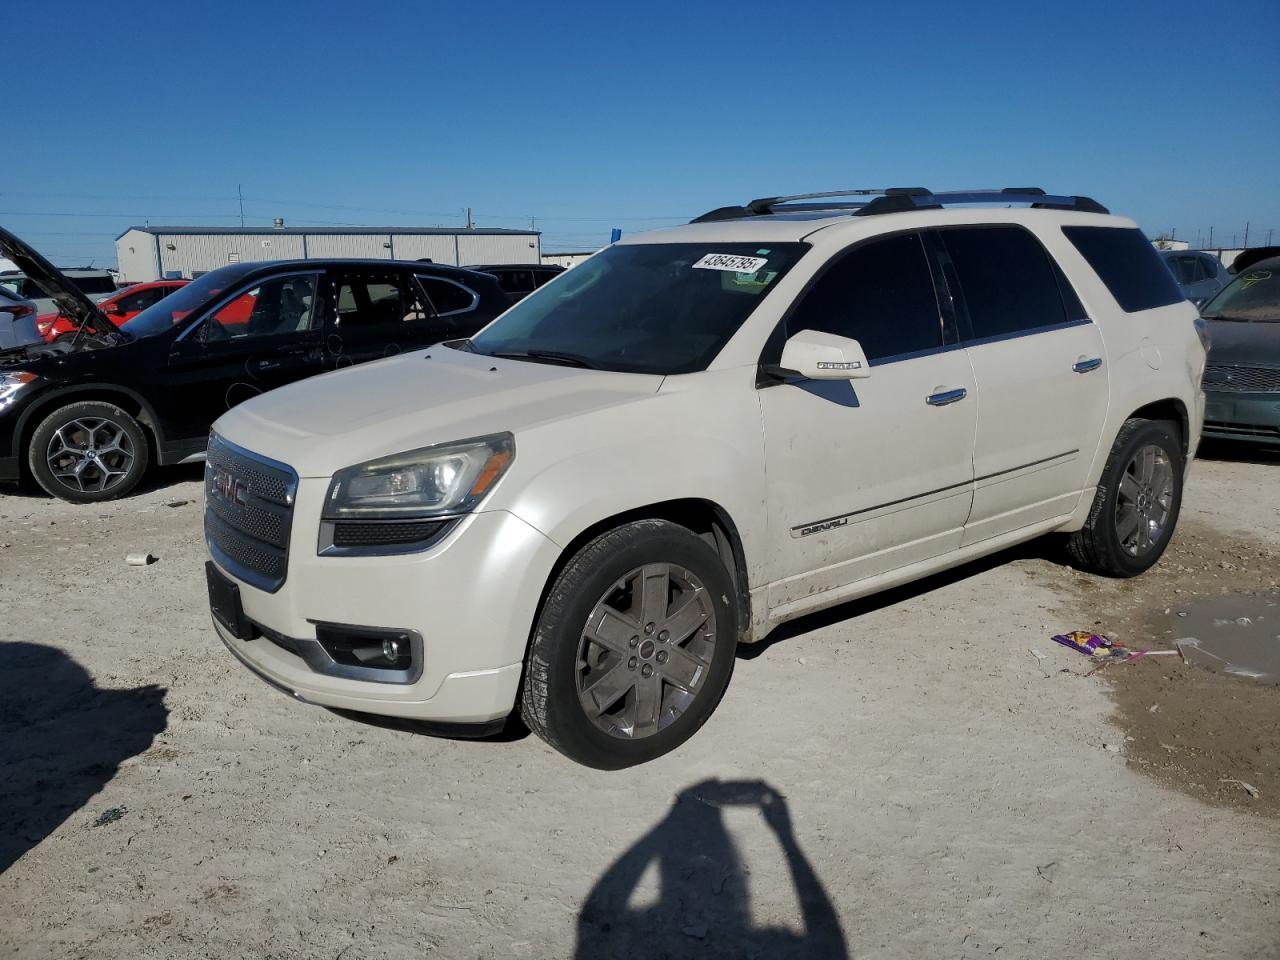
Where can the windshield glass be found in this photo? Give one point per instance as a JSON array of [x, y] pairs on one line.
[[1254, 295], [180, 304], [644, 308]]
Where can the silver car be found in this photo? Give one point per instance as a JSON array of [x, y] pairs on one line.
[[1200, 275], [95, 284], [17, 321]]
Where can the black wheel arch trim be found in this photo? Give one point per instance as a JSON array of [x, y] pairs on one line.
[[57, 396]]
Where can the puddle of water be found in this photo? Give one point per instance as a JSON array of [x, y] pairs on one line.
[[1238, 635]]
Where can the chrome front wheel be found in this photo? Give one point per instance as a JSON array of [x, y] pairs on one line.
[[1145, 500], [90, 455]]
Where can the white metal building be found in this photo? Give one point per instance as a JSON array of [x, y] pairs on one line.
[[154, 253], [566, 260]]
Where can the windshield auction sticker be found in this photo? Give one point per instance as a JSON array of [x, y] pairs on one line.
[[730, 262]]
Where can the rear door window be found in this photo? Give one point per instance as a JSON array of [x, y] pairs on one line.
[[879, 293], [1007, 281], [376, 301], [1128, 264]]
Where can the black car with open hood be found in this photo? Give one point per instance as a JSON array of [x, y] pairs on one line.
[[86, 416]]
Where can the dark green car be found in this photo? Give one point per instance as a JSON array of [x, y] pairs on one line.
[[1242, 378]]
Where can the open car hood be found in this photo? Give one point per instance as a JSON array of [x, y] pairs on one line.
[[70, 299]]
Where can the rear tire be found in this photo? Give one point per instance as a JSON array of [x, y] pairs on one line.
[[88, 452], [1137, 503], [634, 647]]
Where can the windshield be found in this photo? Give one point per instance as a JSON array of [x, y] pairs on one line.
[[644, 308], [1254, 295], [177, 306]]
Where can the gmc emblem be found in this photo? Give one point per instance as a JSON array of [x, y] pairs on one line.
[[228, 487]]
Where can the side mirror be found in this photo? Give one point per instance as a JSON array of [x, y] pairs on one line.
[[824, 356]]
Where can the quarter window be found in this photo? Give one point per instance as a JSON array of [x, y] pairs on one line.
[[1128, 264], [446, 296], [880, 294], [1006, 280]]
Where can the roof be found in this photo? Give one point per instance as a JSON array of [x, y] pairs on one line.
[[330, 231]]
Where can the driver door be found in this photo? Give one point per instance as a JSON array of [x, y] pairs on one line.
[[261, 338], [870, 475]]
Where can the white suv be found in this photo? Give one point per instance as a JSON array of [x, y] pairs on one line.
[[693, 436]]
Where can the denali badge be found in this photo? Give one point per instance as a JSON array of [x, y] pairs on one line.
[[819, 527], [228, 487]]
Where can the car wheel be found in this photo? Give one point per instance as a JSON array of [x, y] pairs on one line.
[[88, 452], [634, 646], [1136, 506]]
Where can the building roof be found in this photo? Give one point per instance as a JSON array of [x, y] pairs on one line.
[[332, 231]]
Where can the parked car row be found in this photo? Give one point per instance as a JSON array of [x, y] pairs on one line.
[[85, 415]]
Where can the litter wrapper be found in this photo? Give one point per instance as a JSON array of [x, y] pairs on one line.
[[1093, 645]]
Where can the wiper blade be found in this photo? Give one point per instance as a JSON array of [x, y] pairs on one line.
[[547, 356], [1226, 318]]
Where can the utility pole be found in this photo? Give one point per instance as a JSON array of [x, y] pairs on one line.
[[469, 226], [1246, 234], [1268, 238], [1211, 238], [240, 195]]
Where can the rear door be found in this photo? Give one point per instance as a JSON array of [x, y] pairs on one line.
[[260, 337], [1039, 365], [377, 313]]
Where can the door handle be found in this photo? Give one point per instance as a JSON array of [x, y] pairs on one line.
[[943, 397], [1084, 365]]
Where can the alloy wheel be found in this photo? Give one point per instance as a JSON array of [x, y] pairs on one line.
[[646, 651], [1145, 500], [90, 454]]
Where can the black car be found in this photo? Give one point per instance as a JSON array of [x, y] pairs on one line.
[[85, 416], [520, 279]]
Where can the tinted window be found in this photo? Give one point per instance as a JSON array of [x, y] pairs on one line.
[[1186, 269], [92, 285], [1210, 267], [447, 296], [184, 301], [136, 302], [1006, 280], [516, 281], [880, 294], [644, 308], [1127, 263]]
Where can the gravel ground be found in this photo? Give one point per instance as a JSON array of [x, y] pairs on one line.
[[901, 777]]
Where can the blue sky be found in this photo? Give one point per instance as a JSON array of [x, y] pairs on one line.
[[591, 116]]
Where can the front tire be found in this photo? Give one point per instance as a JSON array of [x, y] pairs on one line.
[[634, 646], [88, 452], [1137, 503]]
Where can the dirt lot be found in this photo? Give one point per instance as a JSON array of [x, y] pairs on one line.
[[898, 778]]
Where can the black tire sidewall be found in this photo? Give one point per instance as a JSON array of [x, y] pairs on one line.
[[583, 581], [1151, 432], [97, 409]]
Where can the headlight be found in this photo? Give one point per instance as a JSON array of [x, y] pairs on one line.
[[11, 383], [432, 481]]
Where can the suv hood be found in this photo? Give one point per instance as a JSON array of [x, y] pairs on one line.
[[71, 301], [417, 400], [1247, 343]]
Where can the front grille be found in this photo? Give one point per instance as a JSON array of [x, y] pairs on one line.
[[248, 513], [1222, 378]]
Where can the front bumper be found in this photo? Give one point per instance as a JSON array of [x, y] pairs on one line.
[[1253, 417], [472, 598]]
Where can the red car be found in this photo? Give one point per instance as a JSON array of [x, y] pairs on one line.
[[121, 306]]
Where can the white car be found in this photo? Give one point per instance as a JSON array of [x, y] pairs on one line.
[[692, 437], [17, 322], [97, 285]]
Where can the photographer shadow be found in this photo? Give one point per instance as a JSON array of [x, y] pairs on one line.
[[703, 907], [61, 740]]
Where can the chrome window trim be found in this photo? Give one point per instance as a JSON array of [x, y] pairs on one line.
[[475, 297]]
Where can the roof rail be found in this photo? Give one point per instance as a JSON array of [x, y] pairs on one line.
[[901, 200]]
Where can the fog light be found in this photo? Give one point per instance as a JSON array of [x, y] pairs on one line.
[[391, 650]]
